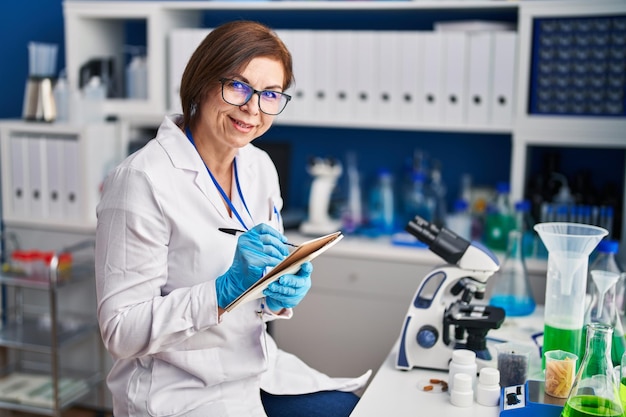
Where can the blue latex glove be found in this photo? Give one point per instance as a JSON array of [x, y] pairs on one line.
[[258, 248], [288, 290]]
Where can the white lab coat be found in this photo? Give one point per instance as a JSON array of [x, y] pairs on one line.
[[158, 255]]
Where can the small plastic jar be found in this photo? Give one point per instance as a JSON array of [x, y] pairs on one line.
[[488, 388], [464, 362]]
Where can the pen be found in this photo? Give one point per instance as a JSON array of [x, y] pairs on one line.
[[235, 232]]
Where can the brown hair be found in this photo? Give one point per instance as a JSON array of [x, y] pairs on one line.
[[226, 50]]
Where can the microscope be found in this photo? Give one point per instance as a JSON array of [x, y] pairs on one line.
[[441, 317], [325, 172]]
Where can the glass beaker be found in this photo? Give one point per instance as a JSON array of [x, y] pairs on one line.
[[569, 246], [595, 391]]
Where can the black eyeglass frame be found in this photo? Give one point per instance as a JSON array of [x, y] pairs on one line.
[[252, 93]]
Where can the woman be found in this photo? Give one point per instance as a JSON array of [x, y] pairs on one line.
[[165, 271]]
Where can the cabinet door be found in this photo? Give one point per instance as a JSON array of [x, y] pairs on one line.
[[352, 315]]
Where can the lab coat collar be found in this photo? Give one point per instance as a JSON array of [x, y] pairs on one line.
[[184, 156]]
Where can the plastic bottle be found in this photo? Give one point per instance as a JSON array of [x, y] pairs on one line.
[[463, 362], [488, 388], [462, 395], [416, 202], [460, 220], [62, 98], [524, 223], [511, 290], [437, 191], [381, 203], [500, 219], [352, 217], [137, 78], [94, 93]]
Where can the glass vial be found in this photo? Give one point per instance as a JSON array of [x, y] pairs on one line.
[[595, 391]]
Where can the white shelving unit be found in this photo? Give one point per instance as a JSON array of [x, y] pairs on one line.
[[42, 334]]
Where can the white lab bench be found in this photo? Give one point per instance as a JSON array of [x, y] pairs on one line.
[[398, 393]]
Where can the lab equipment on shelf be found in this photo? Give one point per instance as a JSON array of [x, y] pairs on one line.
[[500, 219], [325, 172], [381, 208], [38, 95]]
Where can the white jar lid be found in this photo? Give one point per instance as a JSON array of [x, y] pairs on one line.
[[489, 376], [464, 356]]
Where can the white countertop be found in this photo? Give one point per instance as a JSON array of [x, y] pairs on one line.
[[398, 393]]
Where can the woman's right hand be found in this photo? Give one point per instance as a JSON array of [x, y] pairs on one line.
[[258, 248]]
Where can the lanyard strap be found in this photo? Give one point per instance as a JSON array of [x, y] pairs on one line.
[[219, 188]]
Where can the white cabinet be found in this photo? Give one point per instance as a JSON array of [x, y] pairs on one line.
[[353, 314], [52, 173]]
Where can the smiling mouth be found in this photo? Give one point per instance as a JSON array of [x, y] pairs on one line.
[[241, 124]]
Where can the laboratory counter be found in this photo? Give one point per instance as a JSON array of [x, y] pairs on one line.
[[399, 393]]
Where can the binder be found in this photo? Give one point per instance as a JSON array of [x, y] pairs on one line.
[[285, 36], [365, 75], [72, 198], [36, 171], [302, 93], [410, 63], [19, 177], [454, 86], [479, 77], [504, 76], [343, 94], [54, 177], [432, 65], [387, 87], [322, 75]]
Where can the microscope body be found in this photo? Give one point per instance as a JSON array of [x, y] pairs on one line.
[[441, 316]]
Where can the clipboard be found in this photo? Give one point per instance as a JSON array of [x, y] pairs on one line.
[[307, 251]]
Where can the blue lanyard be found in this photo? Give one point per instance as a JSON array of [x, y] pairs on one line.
[[220, 189]]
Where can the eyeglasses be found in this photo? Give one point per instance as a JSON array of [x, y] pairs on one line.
[[238, 93]]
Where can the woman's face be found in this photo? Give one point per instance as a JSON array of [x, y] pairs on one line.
[[235, 126]]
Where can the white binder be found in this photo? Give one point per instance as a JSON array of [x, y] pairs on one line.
[[322, 75], [19, 175], [285, 36], [36, 172], [365, 75], [455, 85], [504, 76], [343, 94], [72, 198], [54, 177], [410, 62], [387, 86], [479, 77], [432, 66], [302, 91]]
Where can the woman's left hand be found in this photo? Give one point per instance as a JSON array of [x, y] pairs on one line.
[[288, 290]]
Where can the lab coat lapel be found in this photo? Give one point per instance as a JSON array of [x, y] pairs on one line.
[[185, 157]]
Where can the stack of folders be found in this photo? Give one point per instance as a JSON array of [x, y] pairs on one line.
[[455, 75]]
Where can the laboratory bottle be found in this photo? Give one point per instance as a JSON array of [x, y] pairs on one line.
[[137, 78], [381, 203], [511, 290], [352, 216], [416, 202], [460, 220], [61, 94], [595, 391], [463, 362], [524, 223], [602, 309], [437, 190], [94, 94], [500, 219], [462, 395], [488, 388]]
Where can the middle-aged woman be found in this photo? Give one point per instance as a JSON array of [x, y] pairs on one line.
[[165, 271]]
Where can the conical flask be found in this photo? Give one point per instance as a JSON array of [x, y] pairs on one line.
[[603, 309], [569, 246], [595, 391], [512, 290]]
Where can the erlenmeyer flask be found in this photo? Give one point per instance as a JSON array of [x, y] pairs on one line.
[[512, 290], [603, 309], [595, 391]]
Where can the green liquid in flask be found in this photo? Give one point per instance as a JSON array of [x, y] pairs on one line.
[[590, 406]]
